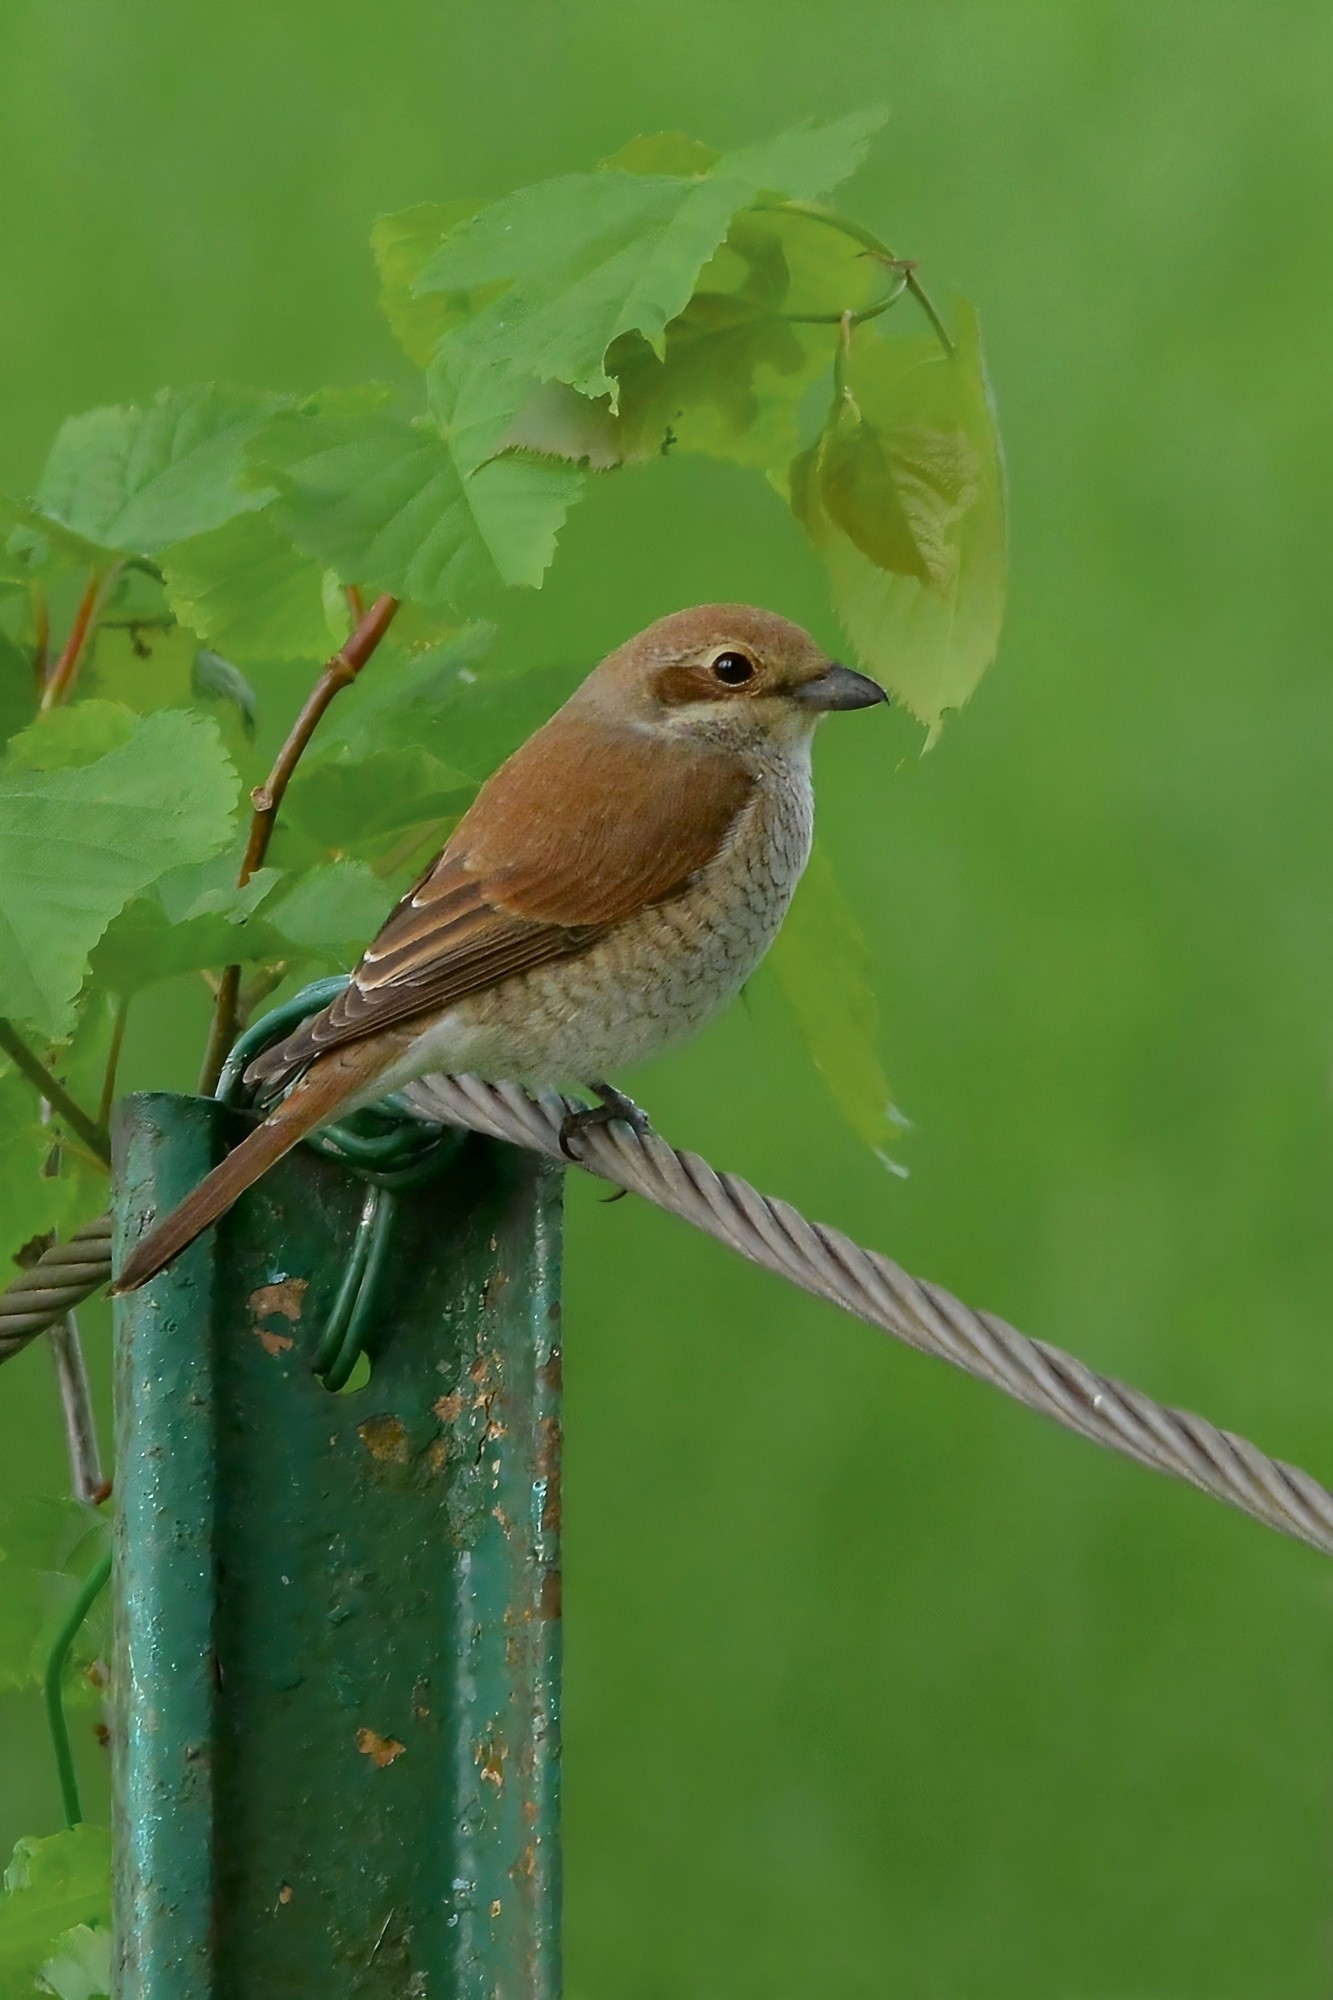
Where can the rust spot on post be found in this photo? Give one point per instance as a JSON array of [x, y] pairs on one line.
[[381, 1750], [287, 1297], [386, 1438]]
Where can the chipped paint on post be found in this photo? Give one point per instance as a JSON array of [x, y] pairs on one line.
[[338, 1615]]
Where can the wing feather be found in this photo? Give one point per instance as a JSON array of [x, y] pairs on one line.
[[583, 827]]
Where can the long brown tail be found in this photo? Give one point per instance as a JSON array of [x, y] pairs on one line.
[[324, 1086]]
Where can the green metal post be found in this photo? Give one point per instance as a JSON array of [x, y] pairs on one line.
[[337, 1615]]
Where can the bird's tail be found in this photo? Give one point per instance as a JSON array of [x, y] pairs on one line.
[[321, 1090]]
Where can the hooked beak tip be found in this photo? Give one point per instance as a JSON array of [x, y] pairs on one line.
[[839, 687]]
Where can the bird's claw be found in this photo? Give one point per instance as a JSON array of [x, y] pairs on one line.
[[614, 1105]]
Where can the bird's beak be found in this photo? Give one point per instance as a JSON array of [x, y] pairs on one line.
[[839, 687]]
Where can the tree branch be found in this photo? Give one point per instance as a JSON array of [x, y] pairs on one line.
[[98, 588], [339, 673], [85, 1457], [54, 1091]]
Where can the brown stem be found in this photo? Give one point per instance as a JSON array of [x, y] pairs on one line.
[[96, 592], [85, 1457], [55, 1093], [41, 636], [356, 603], [338, 673]]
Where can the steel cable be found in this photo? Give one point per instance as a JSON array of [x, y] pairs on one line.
[[821, 1261]]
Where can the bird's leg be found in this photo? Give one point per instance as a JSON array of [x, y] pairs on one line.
[[614, 1104]]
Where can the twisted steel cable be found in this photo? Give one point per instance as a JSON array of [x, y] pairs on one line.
[[62, 1278], [823, 1262]]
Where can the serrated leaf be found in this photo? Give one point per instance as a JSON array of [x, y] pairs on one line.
[[52, 1885], [588, 258], [133, 481], [664, 153], [484, 408], [728, 384], [76, 845], [47, 1549], [79, 1967], [820, 961], [31, 1202], [248, 593], [333, 911], [385, 504], [898, 484], [68, 738], [811, 158], [153, 939], [929, 640], [402, 245], [341, 802]]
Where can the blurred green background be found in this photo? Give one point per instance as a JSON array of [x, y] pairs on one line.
[[877, 1685]]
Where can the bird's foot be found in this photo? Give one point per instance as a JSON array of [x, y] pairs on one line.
[[614, 1105]]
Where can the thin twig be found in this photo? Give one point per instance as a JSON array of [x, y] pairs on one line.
[[53, 1090], [41, 635], [338, 673], [96, 592], [857, 233], [113, 1061], [85, 1457], [265, 980]]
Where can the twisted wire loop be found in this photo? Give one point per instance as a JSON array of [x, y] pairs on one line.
[[821, 1261], [63, 1277]]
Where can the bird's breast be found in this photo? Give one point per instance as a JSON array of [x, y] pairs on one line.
[[658, 976]]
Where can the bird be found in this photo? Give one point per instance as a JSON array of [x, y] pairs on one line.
[[612, 886]]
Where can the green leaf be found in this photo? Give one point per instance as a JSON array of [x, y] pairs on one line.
[[47, 1549], [333, 911], [134, 481], [31, 1202], [898, 494], [929, 636], [809, 159], [155, 938], [52, 1885], [403, 245], [18, 695], [588, 258], [216, 679], [145, 669], [728, 384], [821, 963], [664, 153], [248, 593], [340, 802], [79, 1967], [68, 738], [412, 698], [384, 503], [76, 845]]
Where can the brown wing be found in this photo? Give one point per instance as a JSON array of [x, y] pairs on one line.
[[584, 826]]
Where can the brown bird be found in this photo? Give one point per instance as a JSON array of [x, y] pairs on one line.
[[613, 885]]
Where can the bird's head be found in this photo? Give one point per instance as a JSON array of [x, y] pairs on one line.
[[726, 674]]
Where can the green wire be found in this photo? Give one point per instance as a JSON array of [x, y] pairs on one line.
[[54, 1692]]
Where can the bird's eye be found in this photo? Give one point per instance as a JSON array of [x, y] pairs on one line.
[[733, 669]]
